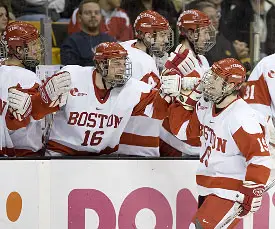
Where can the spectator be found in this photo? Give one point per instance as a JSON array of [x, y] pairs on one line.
[[164, 7], [70, 6], [115, 21], [33, 10], [4, 18], [237, 25], [78, 47], [223, 48], [7, 3]]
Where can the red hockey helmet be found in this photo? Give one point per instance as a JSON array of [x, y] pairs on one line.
[[150, 21], [193, 19], [231, 70], [153, 23], [204, 36], [217, 81], [111, 61], [27, 37], [108, 50]]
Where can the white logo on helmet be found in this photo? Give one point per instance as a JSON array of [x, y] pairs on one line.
[[146, 15], [191, 12], [234, 66]]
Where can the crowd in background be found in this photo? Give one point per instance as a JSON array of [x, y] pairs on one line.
[[115, 20]]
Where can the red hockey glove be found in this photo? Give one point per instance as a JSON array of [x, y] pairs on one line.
[[250, 197]]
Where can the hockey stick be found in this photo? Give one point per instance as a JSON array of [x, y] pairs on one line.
[[240, 209]]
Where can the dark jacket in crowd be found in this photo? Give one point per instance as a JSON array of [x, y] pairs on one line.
[[21, 7], [222, 49], [164, 7], [236, 25], [79, 48]]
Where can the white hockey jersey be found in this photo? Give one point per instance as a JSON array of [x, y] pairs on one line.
[[172, 146], [25, 139], [88, 125], [142, 63], [233, 147], [260, 94], [141, 134]]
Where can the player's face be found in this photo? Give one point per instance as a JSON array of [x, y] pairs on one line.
[[213, 86], [35, 50], [205, 38], [91, 16], [3, 19], [162, 39], [116, 70]]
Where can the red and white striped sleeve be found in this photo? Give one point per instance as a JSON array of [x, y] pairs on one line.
[[249, 135]]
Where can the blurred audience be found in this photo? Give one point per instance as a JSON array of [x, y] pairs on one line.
[[115, 21], [33, 10], [242, 13], [7, 3], [70, 6], [79, 47], [164, 7], [4, 18], [223, 48]]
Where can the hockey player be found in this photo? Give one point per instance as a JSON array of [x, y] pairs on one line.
[[197, 36], [154, 38], [25, 49], [99, 105], [259, 93], [234, 158]]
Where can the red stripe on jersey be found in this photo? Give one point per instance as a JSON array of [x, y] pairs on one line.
[[57, 147], [250, 145], [7, 151], [219, 182], [257, 173], [177, 116], [138, 140], [151, 79], [160, 106], [166, 150]]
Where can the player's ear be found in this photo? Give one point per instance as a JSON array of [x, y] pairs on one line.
[[191, 34], [147, 36], [230, 86], [19, 50]]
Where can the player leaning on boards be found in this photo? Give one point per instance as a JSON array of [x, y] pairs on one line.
[[234, 158], [197, 36], [154, 38], [101, 100], [23, 49]]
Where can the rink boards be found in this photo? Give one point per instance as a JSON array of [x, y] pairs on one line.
[[106, 194]]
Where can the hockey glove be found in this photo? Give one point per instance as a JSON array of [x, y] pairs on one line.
[[250, 197], [189, 98], [187, 64], [170, 86], [20, 105], [54, 87]]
